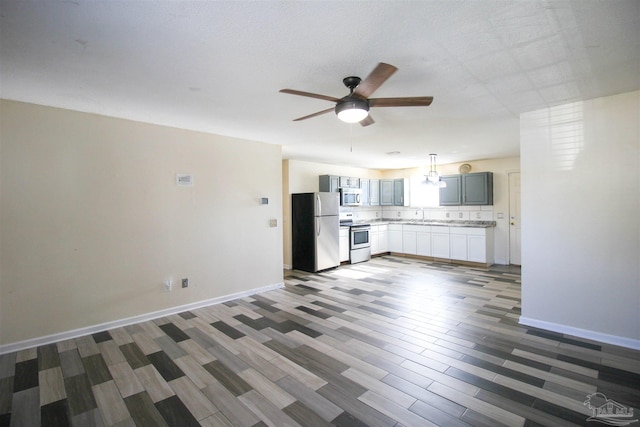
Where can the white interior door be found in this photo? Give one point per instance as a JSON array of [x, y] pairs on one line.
[[514, 218]]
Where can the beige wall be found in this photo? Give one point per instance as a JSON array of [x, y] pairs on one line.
[[92, 221]]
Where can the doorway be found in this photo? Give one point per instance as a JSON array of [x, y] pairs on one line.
[[514, 219]]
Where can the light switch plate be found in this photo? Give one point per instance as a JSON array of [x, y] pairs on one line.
[[184, 180]]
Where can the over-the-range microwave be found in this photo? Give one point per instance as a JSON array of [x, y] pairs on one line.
[[350, 197]]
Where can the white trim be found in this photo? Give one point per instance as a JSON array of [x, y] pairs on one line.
[[582, 333], [61, 336]]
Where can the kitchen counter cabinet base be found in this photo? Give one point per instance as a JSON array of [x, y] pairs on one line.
[[459, 245]]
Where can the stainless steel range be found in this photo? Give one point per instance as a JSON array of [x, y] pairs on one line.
[[359, 239]]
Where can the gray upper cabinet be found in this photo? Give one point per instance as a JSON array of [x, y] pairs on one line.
[[392, 192], [386, 192], [349, 182], [477, 188], [366, 192], [333, 183], [467, 189], [370, 192], [451, 195], [398, 192], [374, 192], [329, 183]]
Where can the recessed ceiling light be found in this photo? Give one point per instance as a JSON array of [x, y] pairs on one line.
[[393, 153]]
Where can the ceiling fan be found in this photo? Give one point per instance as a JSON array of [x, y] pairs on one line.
[[354, 107]]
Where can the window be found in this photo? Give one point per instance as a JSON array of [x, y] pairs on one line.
[[422, 194]]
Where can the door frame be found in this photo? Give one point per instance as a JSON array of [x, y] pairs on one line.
[[509, 173]]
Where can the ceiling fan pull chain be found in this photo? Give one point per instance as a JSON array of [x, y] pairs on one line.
[[351, 137]]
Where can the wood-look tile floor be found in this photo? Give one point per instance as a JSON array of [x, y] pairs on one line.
[[390, 342]]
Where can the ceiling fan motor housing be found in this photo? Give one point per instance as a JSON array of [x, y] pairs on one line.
[[352, 104], [351, 82]]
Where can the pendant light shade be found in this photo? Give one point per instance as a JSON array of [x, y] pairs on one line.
[[352, 109], [432, 178]]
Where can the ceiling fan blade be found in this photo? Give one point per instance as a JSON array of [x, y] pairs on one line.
[[412, 101], [374, 80], [310, 95], [328, 110], [367, 121]]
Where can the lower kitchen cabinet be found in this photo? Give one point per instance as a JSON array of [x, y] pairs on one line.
[[409, 240], [472, 244], [344, 244], [395, 238], [477, 247], [379, 236], [458, 246], [437, 241], [374, 240], [383, 238], [440, 242], [423, 241]]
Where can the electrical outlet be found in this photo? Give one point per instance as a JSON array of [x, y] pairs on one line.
[[273, 223], [185, 283], [167, 285]]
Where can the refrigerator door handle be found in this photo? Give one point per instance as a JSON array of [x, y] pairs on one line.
[[319, 205], [319, 227]]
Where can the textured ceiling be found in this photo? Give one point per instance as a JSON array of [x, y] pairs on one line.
[[218, 66]]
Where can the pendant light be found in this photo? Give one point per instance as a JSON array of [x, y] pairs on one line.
[[432, 178]]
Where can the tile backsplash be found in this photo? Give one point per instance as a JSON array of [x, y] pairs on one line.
[[460, 213]]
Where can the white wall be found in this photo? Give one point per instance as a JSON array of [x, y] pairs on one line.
[[92, 221], [580, 209]]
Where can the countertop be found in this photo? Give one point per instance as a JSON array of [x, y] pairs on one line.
[[445, 223]]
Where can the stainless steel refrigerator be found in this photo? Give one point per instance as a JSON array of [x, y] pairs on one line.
[[315, 231]]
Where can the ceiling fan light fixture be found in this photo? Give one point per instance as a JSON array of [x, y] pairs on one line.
[[352, 109]]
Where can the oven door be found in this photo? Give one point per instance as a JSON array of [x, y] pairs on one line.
[[360, 237]]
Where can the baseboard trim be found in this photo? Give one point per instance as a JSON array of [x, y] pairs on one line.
[[582, 333], [61, 336]]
